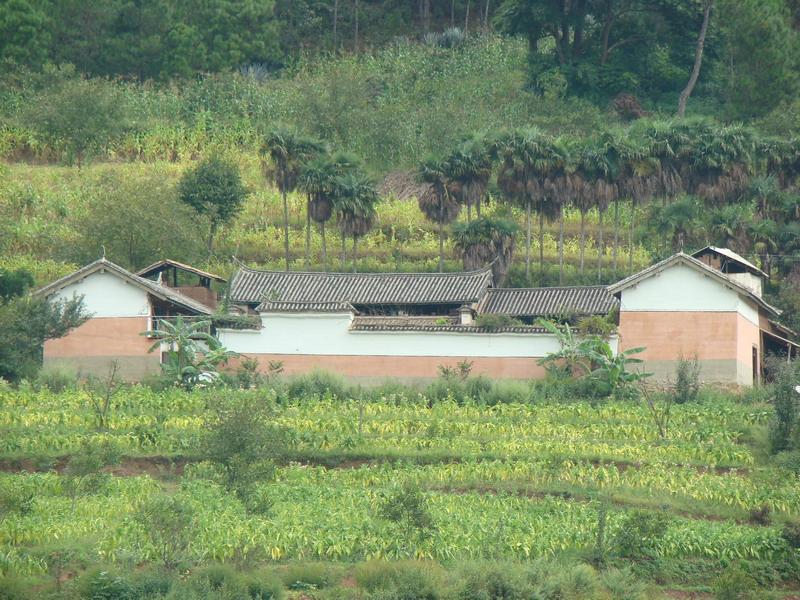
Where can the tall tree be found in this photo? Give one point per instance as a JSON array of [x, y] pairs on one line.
[[531, 167], [698, 59], [469, 170], [436, 202], [486, 241], [214, 189], [319, 179], [355, 200], [283, 155]]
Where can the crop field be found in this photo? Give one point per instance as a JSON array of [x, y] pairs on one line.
[[509, 481]]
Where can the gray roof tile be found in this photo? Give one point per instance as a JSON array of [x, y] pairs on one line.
[[251, 286], [548, 302]]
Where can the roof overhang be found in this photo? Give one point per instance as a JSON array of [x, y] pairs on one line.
[[169, 263]]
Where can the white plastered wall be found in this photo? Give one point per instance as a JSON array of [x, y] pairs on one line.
[[107, 295], [330, 334]]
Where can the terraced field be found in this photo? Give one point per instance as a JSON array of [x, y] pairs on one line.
[[510, 481]]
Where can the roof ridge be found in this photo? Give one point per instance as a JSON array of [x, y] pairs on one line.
[[486, 269], [556, 287]]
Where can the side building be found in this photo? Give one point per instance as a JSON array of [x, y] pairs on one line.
[[122, 305]]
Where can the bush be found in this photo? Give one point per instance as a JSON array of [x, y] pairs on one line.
[[735, 584], [639, 533], [167, 521], [13, 587], [264, 586], [791, 534], [578, 582], [492, 582], [222, 579], [303, 576], [100, 583], [242, 441], [687, 380], [493, 322], [320, 384], [407, 507], [400, 580], [623, 585], [56, 379], [789, 460], [785, 399]]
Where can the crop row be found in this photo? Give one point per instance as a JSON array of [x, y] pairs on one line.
[[340, 521]]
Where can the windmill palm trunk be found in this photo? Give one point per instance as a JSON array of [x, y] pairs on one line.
[[324, 247], [528, 241], [355, 252], [344, 248], [469, 213], [308, 232], [478, 209], [583, 238], [285, 228], [630, 238], [561, 247], [541, 241], [600, 248], [441, 246], [616, 234]]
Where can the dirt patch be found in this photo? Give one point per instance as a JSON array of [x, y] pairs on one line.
[[157, 467]]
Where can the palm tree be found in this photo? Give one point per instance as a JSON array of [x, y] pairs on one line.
[[678, 220], [591, 185], [486, 241], [436, 202], [763, 192], [318, 179], [763, 233], [287, 152], [728, 225], [721, 163], [354, 202], [469, 171], [531, 174]]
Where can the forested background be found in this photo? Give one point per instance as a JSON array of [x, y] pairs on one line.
[[104, 106]]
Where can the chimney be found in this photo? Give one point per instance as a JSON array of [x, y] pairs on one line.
[[467, 315]]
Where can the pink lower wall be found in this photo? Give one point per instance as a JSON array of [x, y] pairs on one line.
[[92, 347], [401, 367], [721, 341]]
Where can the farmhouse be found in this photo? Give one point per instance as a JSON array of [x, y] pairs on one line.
[[370, 326]]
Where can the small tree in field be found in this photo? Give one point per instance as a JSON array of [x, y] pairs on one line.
[[214, 189], [77, 117], [167, 521]]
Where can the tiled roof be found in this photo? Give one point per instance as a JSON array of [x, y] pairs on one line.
[[251, 286], [430, 324], [158, 291], [167, 262], [548, 302], [306, 307]]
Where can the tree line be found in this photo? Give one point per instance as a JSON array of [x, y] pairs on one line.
[[711, 181], [591, 49]]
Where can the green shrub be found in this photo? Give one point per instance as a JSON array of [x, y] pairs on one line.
[[301, 576], [320, 384], [596, 325], [56, 379], [401, 580], [264, 585], [786, 400], [219, 581], [639, 533], [789, 460], [152, 583], [622, 584], [791, 533], [479, 581], [101, 583], [687, 380], [735, 584], [407, 506], [13, 587], [579, 582], [167, 522], [493, 322]]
